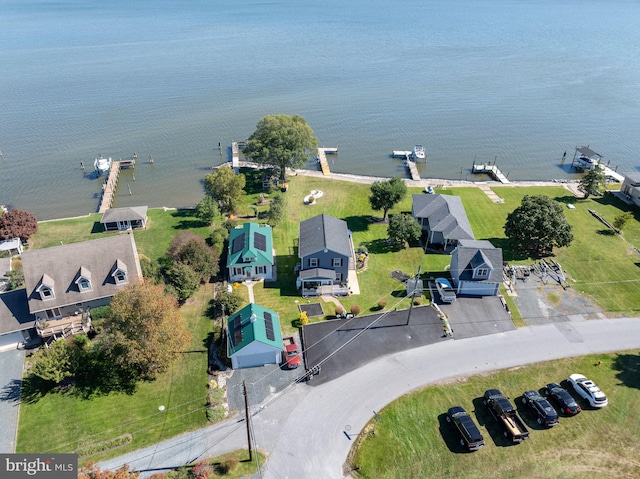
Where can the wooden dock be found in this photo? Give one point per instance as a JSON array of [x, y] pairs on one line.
[[111, 183], [406, 154], [235, 157], [413, 170], [492, 170], [322, 159]]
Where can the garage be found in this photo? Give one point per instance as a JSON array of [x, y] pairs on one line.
[[15, 320], [473, 288], [253, 337]]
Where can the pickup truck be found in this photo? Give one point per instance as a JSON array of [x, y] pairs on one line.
[[503, 411], [447, 293], [291, 356]]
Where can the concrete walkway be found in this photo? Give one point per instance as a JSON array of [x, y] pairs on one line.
[[10, 382], [324, 420]]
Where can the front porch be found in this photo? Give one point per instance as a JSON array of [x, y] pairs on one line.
[[327, 289]]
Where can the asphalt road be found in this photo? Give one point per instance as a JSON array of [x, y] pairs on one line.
[[308, 431]]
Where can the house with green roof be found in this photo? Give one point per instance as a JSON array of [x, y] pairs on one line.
[[253, 337], [250, 253]]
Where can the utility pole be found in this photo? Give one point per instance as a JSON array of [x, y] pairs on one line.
[[413, 293], [246, 418]]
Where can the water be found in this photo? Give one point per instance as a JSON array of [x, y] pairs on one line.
[[516, 81]]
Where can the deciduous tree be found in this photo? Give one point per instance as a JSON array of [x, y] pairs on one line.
[[225, 187], [538, 225], [592, 181], [276, 211], [207, 209], [54, 363], [145, 332], [386, 194], [403, 229], [17, 224], [282, 141], [183, 279], [622, 219], [192, 250]]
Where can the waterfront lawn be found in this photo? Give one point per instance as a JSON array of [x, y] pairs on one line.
[[413, 439], [61, 422]]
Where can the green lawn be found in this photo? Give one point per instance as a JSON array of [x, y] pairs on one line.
[[413, 440]]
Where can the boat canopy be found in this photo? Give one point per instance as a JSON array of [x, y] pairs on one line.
[[588, 152]]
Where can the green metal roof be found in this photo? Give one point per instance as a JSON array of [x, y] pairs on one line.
[[253, 323], [250, 245]]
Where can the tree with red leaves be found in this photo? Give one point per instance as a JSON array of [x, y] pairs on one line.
[[17, 224]]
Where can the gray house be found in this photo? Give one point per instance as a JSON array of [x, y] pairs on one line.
[[123, 219], [443, 220], [64, 282], [476, 268], [631, 187], [325, 249]]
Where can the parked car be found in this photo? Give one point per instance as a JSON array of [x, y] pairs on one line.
[[543, 410], [563, 399], [588, 390], [470, 436]]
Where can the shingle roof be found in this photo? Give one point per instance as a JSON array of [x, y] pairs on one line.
[[323, 232], [473, 253], [250, 324], [124, 214], [444, 213], [249, 247], [14, 313], [61, 266], [633, 177], [317, 273]]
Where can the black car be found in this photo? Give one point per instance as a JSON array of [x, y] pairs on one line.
[[545, 413], [563, 399], [470, 435]]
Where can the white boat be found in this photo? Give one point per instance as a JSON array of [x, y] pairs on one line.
[[447, 293], [418, 152], [102, 165]]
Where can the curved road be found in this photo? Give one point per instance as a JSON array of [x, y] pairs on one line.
[[308, 431]]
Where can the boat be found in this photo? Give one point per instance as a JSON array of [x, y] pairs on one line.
[[418, 152], [102, 165], [447, 293]]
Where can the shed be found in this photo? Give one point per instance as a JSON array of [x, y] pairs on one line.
[[253, 337]]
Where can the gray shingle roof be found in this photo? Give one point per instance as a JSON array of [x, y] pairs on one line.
[[61, 266], [14, 313], [323, 232], [471, 254], [444, 214], [633, 177], [124, 214]]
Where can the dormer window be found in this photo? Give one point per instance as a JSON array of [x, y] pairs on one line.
[[45, 289], [119, 272], [83, 280], [84, 284], [120, 276], [46, 292], [482, 272]]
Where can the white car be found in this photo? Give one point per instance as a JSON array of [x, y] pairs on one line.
[[588, 390]]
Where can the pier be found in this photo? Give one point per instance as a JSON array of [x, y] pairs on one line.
[[589, 160], [492, 170], [322, 159], [406, 154], [111, 183], [235, 157], [413, 169]]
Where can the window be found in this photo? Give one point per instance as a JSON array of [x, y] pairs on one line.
[[238, 271], [313, 262], [46, 292], [482, 272], [53, 313], [337, 262], [339, 277], [261, 270], [84, 284], [120, 276]]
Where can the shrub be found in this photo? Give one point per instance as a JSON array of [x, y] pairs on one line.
[[382, 304], [228, 464], [355, 309], [304, 319], [417, 300], [339, 310], [230, 302], [201, 470], [363, 249]]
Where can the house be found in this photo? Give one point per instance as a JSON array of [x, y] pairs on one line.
[[123, 219], [64, 282], [325, 249], [443, 220], [476, 268], [12, 246], [631, 187], [17, 325], [253, 337], [250, 253]]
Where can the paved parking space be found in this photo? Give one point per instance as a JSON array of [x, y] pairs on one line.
[[470, 317], [11, 363]]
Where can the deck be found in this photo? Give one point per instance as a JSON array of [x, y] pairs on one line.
[[235, 157], [64, 327], [322, 159], [413, 169], [492, 170]]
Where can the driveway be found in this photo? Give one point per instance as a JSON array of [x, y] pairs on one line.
[[325, 419], [10, 381]]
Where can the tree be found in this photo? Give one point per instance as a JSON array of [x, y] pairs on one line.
[[622, 219], [228, 303], [18, 224], [386, 194], [538, 225], [226, 188], [207, 210], [53, 364], [192, 250], [591, 182], [276, 211], [183, 279], [282, 141], [144, 332], [403, 228]]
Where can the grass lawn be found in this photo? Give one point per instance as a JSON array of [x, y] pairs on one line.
[[62, 422], [413, 439]]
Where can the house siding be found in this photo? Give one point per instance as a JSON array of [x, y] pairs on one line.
[[631, 189], [325, 261]]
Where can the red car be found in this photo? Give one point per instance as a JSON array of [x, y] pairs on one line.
[[291, 356]]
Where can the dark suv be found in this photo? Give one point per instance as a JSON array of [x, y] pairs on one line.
[[470, 435], [541, 408]]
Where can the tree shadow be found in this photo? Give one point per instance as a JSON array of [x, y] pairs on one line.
[[510, 252], [97, 228], [28, 390], [628, 369], [359, 223], [187, 220], [606, 232], [381, 245]]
